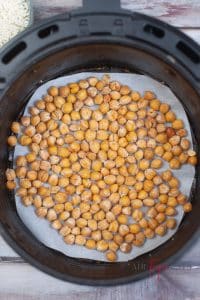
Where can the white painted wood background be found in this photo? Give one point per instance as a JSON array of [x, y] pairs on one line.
[[181, 281]]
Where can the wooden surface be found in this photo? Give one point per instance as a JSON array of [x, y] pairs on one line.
[[181, 281]]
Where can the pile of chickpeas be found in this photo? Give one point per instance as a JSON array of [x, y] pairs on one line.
[[95, 148]]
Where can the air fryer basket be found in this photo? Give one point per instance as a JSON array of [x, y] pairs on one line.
[[100, 36]]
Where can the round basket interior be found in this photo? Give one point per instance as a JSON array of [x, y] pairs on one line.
[[94, 55]]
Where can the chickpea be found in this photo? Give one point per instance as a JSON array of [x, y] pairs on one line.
[[125, 247], [137, 215], [136, 203], [170, 211], [183, 158], [12, 140], [15, 127], [107, 235], [51, 214], [122, 219], [160, 230], [181, 199], [41, 212], [80, 240], [25, 121], [11, 185], [148, 202], [70, 223], [118, 239], [174, 163], [156, 163], [90, 244], [173, 182], [172, 201], [187, 207], [149, 233], [56, 224], [69, 239], [171, 223], [144, 164], [64, 91], [111, 256], [177, 124], [135, 96], [65, 230], [160, 217], [102, 245], [30, 157], [192, 160], [113, 246], [10, 174], [153, 223], [170, 116], [139, 239]]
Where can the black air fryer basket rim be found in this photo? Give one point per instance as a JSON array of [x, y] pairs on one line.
[[95, 24]]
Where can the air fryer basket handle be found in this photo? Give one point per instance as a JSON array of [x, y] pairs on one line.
[[98, 5]]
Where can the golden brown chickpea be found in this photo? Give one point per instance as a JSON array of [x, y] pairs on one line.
[[181, 199], [76, 231], [156, 163], [11, 185], [160, 230], [149, 233], [161, 138], [183, 158], [125, 247], [102, 245], [152, 223], [170, 116], [137, 215], [160, 218], [192, 160], [149, 202], [69, 239], [164, 108], [135, 96], [80, 240], [187, 207], [107, 235], [111, 256], [160, 207], [25, 121], [152, 212], [90, 244], [12, 140], [65, 230], [171, 223], [148, 95], [170, 211], [177, 124], [174, 163], [10, 174], [53, 91], [150, 173], [15, 127], [41, 212], [139, 239], [30, 157]]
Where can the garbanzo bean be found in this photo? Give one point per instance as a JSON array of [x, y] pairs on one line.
[[160, 230], [125, 247], [171, 223], [149, 233], [187, 207]]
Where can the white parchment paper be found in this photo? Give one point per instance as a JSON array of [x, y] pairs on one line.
[[41, 228]]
